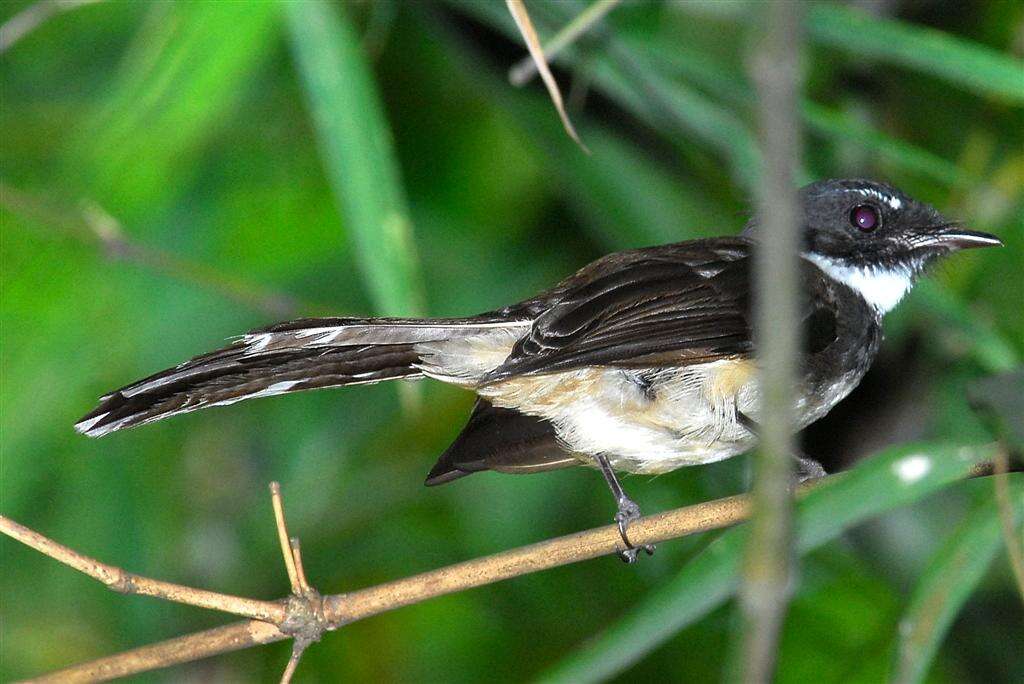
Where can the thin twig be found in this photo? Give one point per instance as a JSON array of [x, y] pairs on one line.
[[1014, 544], [125, 582], [293, 662], [185, 649], [767, 570], [305, 622], [282, 537], [300, 572], [522, 19], [92, 225], [522, 72]]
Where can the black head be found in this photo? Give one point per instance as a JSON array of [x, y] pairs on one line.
[[864, 224]]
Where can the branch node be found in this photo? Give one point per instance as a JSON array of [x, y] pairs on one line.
[[123, 583], [304, 619]]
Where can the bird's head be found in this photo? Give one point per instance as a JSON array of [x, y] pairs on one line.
[[876, 239]]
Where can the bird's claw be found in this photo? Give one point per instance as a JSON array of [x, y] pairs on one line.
[[807, 469], [628, 512]]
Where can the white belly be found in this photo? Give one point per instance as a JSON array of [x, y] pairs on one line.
[[687, 418]]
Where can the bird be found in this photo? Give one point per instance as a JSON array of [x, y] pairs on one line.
[[643, 361]]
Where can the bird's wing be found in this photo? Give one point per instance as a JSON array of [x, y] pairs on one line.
[[677, 305], [504, 440]]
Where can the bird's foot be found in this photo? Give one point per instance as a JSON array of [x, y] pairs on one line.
[[628, 512], [807, 468]]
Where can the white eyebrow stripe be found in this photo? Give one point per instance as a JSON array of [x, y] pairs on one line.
[[893, 201]]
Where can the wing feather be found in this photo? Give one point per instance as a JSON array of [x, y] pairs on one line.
[[681, 302]]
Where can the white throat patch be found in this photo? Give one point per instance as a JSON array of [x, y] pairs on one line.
[[881, 288]]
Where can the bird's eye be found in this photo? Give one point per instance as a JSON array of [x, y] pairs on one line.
[[864, 218]]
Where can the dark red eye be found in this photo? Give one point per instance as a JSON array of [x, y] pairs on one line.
[[864, 218]]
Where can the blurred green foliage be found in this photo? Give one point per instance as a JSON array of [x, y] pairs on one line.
[[260, 142]]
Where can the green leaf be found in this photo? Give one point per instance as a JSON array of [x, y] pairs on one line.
[[973, 66], [679, 111], [731, 86], [640, 74], [838, 125], [179, 81], [981, 339], [950, 578], [356, 145], [895, 478]]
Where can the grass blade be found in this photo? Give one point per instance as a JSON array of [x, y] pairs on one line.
[[973, 66], [522, 72], [178, 83], [518, 11], [838, 125], [729, 86], [949, 580], [681, 113], [995, 353], [626, 198], [895, 478], [358, 153]]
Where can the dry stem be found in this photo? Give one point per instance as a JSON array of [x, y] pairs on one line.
[[125, 582], [769, 558], [522, 19], [526, 69], [305, 621], [282, 536], [306, 615]]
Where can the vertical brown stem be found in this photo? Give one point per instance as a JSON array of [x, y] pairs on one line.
[[767, 575]]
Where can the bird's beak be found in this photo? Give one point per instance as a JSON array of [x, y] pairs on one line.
[[955, 238]]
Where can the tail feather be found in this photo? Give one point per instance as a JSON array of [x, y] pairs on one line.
[[288, 357]]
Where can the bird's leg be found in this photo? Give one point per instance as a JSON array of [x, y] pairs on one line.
[[628, 511], [806, 467]]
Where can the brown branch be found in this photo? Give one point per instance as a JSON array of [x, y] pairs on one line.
[[306, 621], [307, 617], [92, 225], [125, 582]]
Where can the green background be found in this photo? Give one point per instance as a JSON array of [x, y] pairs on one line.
[[259, 161]]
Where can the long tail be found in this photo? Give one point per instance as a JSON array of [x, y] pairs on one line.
[[289, 357]]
